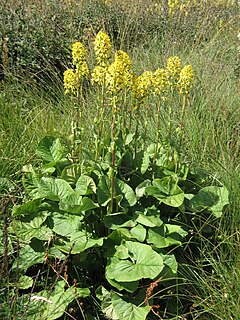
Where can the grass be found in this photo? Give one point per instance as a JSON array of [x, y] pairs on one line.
[[31, 109]]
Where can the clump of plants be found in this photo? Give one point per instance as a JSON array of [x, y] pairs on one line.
[[99, 231]]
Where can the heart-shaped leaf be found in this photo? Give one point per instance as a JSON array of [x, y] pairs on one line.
[[140, 262]]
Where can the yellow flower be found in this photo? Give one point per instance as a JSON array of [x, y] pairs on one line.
[[98, 75], [173, 69], [82, 70], [102, 48], [70, 81], [142, 85], [123, 58], [186, 78], [79, 53], [160, 81], [119, 73]]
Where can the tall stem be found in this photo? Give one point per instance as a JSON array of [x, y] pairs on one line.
[[158, 129], [136, 131], [99, 138], [113, 153], [170, 115], [182, 119]]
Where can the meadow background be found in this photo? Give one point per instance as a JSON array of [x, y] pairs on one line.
[[36, 38]]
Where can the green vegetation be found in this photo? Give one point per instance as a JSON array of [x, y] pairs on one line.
[[119, 162]]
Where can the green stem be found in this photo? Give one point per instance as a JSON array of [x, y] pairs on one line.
[[170, 115], [113, 153], [136, 131], [145, 126], [158, 131], [182, 119], [101, 120]]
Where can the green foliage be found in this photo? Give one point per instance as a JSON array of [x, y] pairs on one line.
[[130, 246]]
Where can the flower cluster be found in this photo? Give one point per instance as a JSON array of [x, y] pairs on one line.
[[185, 82], [70, 81], [173, 70], [73, 77], [98, 75], [142, 85], [160, 82], [119, 74], [102, 48], [79, 53]]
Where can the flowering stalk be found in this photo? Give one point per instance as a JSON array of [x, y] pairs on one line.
[[73, 83], [173, 71], [112, 172], [182, 119], [160, 86], [185, 83]]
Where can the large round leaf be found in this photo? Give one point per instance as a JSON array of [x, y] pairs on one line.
[[167, 191], [134, 261]]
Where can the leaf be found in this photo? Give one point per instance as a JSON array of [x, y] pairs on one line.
[[76, 204], [129, 138], [79, 242], [139, 233], [52, 306], [128, 311], [118, 220], [170, 266], [28, 257], [85, 185], [71, 173], [167, 191], [53, 189], [166, 235], [121, 189], [143, 262], [26, 231], [26, 208], [115, 308], [149, 218], [25, 282], [51, 150], [103, 191], [106, 305], [64, 224], [212, 198], [30, 180], [129, 197], [140, 190], [145, 162], [128, 286]]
